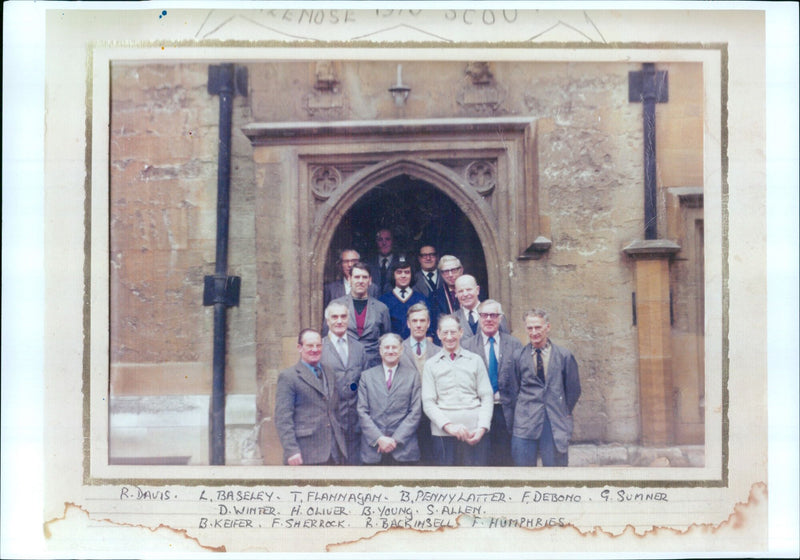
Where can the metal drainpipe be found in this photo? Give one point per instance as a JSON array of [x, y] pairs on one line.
[[649, 122], [221, 290], [649, 87]]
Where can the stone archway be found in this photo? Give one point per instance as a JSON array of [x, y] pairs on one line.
[[309, 175], [475, 210]]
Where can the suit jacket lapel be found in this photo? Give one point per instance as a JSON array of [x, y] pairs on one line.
[[554, 364], [370, 313], [398, 378], [351, 309], [351, 352], [505, 352], [332, 350], [309, 378]]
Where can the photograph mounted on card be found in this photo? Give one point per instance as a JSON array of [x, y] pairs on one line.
[[377, 270], [234, 185]]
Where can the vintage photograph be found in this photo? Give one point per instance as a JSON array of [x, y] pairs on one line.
[[477, 279], [527, 189]]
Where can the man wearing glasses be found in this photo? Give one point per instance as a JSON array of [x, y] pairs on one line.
[[427, 278], [443, 301], [467, 291], [498, 350]]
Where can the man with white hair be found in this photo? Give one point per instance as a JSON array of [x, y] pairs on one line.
[[343, 359], [457, 397], [443, 300]]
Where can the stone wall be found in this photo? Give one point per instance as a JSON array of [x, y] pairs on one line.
[[163, 189], [589, 181]]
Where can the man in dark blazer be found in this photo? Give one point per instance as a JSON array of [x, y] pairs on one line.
[[380, 265], [417, 349], [343, 360], [427, 279], [549, 389], [305, 408], [341, 287], [389, 408], [401, 297], [369, 318], [499, 351], [444, 301]]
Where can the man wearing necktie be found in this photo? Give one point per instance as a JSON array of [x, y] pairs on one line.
[[427, 279], [343, 359], [443, 301], [380, 268], [549, 389], [306, 408], [389, 408], [499, 351], [467, 292], [457, 397], [417, 349]]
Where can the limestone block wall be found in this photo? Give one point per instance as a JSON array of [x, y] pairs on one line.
[[589, 203], [162, 227], [591, 199]]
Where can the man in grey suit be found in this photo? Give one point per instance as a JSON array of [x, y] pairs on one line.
[[343, 360], [368, 317], [549, 388], [389, 408], [499, 351], [417, 348], [427, 278], [305, 408], [341, 287]]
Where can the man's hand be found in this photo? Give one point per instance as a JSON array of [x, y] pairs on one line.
[[475, 436], [386, 444], [459, 431], [296, 459]]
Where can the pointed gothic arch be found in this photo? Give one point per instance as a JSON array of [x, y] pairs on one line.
[[476, 210]]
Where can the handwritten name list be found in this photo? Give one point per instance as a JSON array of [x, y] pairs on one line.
[[199, 509]]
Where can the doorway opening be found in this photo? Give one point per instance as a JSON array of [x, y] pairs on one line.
[[418, 214]]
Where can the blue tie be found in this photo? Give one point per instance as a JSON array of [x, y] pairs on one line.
[[492, 365]]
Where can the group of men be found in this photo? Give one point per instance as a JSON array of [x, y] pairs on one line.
[[380, 385]]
